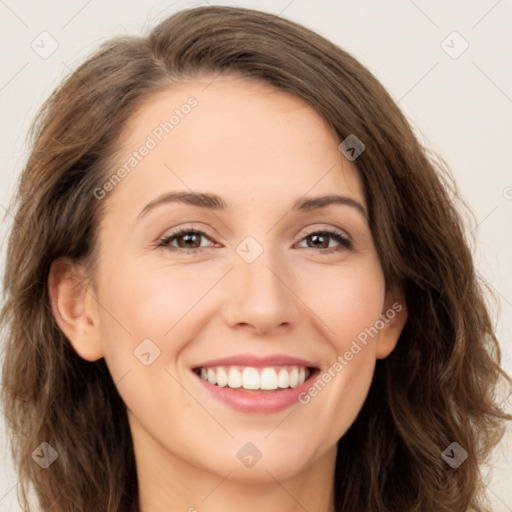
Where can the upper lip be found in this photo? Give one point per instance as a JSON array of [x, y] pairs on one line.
[[257, 361]]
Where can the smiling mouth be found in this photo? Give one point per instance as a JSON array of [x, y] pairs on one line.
[[256, 380]]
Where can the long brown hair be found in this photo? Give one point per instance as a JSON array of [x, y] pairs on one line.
[[437, 387]]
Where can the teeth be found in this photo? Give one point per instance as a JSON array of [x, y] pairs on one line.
[[212, 376], [250, 378], [268, 379], [222, 377], [234, 378], [283, 380], [294, 378]]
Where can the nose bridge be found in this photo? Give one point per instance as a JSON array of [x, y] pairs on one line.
[[259, 295]]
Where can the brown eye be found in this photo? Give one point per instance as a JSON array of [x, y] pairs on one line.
[[187, 239], [321, 240]]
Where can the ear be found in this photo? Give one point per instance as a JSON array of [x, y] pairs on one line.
[[394, 316], [75, 308]]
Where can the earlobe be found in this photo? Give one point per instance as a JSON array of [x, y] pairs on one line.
[[74, 308], [394, 318]]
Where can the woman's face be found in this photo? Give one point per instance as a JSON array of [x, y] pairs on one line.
[[262, 293]]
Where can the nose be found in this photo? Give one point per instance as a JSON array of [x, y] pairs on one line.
[[259, 295]]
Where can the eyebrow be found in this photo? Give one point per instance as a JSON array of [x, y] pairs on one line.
[[215, 202]]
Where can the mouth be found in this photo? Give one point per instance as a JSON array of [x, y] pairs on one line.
[[253, 380], [256, 385]]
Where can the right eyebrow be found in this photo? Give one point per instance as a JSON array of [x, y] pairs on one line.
[[203, 200]]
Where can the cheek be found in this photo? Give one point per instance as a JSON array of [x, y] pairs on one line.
[[158, 304], [347, 302], [348, 306]]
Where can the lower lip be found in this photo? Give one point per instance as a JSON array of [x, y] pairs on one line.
[[254, 402]]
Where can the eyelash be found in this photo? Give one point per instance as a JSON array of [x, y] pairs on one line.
[[345, 242]]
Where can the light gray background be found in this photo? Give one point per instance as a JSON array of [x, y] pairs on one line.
[[460, 107]]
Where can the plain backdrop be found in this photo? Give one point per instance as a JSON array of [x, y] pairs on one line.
[[447, 64]]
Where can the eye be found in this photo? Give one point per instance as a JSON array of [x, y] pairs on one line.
[[320, 240], [189, 240]]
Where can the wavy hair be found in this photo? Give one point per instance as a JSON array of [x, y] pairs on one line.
[[440, 383]]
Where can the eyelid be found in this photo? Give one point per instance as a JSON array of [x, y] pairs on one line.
[[316, 229], [181, 231]]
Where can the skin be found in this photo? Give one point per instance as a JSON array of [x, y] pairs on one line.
[[261, 150]]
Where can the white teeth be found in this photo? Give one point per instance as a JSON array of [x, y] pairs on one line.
[[212, 376], [250, 378], [268, 378], [234, 378], [294, 378], [283, 379], [222, 377]]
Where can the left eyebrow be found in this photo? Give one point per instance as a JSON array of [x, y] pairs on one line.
[[314, 203]]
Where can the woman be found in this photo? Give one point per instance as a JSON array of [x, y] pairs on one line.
[[235, 280]]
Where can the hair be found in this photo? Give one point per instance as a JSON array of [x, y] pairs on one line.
[[440, 383]]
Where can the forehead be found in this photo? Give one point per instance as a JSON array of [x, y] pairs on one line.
[[243, 140]]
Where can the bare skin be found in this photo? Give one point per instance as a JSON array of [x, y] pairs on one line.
[[260, 150]]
